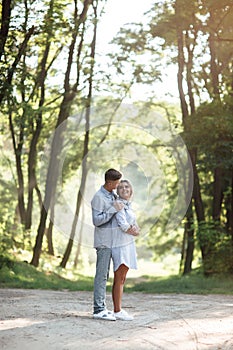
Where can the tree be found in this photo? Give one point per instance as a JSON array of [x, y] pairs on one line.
[[5, 23], [68, 97], [23, 94], [197, 32], [85, 144]]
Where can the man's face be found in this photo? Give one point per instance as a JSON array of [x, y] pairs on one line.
[[113, 184]]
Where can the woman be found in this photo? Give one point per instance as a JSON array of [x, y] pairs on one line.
[[123, 247]]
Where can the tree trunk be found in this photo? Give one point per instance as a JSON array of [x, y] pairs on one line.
[[18, 145], [18, 153], [80, 192], [5, 23], [32, 182], [78, 251], [52, 175], [213, 62], [49, 233], [85, 149], [231, 221], [189, 76], [183, 103], [198, 203], [190, 240], [11, 70], [188, 230], [35, 137], [217, 194]]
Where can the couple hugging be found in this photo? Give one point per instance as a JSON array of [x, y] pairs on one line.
[[115, 228]]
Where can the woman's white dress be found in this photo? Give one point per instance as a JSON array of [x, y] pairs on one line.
[[123, 244]]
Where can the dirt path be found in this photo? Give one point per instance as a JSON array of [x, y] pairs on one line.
[[41, 320]]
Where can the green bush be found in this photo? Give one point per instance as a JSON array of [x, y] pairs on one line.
[[218, 248]]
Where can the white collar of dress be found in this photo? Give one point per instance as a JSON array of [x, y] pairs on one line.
[[125, 201]]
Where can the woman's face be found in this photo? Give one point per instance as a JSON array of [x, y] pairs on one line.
[[124, 190]]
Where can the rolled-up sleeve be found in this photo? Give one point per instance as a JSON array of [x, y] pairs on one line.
[[100, 214]]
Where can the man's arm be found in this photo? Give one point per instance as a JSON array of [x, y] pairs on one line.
[[102, 215]]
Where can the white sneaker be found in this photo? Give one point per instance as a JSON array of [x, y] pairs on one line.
[[105, 315], [123, 315]]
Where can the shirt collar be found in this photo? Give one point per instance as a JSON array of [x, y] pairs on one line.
[[107, 193]]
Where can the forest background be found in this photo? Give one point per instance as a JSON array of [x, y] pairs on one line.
[[68, 114]]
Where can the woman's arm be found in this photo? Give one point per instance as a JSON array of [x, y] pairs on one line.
[[122, 221], [125, 225]]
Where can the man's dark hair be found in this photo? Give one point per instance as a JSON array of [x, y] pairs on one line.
[[112, 175]]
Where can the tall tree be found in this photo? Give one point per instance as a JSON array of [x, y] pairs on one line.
[[86, 141], [198, 33], [36, 124], [68, 97]]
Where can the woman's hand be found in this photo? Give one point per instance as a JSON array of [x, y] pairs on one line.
[[118, 205], [133, 230]]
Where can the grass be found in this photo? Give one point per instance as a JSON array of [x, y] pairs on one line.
[[194, 283], [15, 274]]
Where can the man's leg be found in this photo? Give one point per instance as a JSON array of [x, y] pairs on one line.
[[101, 277]]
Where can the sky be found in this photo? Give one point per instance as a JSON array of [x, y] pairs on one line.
[[117, 13]]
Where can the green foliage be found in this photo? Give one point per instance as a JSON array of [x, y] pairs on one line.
[[8, 203], [210, 131], [130, 49], [140, 53], [218, 248], [5, 261]]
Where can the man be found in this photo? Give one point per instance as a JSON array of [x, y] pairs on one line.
[[104, 207]]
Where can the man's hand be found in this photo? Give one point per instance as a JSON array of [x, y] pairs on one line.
[[133, 230], [118, 205]]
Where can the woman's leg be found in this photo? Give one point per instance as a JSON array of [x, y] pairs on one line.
[[118, 286]]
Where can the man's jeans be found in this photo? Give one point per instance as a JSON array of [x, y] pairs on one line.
[[101, 277]]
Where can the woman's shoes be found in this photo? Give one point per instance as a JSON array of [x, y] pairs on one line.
[[123, 315]]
